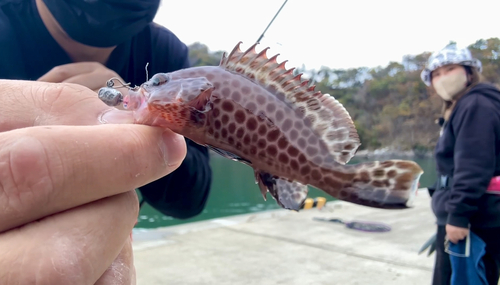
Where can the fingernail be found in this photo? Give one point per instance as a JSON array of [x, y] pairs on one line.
[[115, 116], [174, 148]]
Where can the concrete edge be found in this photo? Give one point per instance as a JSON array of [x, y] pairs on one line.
[[147, 238]]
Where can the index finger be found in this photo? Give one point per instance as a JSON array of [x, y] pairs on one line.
[[63, 72], [28, 103], [45, 170]]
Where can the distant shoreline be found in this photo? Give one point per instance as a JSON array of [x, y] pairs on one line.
[[381, 153]]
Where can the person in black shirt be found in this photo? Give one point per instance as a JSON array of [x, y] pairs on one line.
[[77, 231], [467, 157], [88, 42]]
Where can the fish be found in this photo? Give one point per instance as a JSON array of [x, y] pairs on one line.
[[253, 110]]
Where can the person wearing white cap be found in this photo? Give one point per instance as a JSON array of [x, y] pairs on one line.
[[467, 157]]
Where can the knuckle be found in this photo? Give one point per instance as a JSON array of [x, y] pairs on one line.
[[132, 204], [96, 64], [125, 209], [70, 90], [25, 181], [97, 67], [60, 71], [63, 92], [110, 73], [107, 73], [57, 104], [48, 96]]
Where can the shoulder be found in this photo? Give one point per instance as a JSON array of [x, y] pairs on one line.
[[11, 13], [12, 8], [483, 96], [168, 48], [481, 102], [6, 10], [7, 3], [164, 37], [14, 15]]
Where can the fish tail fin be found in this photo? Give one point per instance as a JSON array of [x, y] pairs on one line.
[[390, 184]]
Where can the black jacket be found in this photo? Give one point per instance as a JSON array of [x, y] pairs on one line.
[[27, 51], [469, 152]]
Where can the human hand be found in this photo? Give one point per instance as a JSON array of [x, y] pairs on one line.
[[66, 192], [92, 75], [26, 104], [456, 234]]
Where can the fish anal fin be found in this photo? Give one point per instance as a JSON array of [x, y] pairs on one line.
[[288, 194], [291, 194], [328, 118]]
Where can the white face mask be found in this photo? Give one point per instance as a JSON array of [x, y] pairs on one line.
[[450, 85]]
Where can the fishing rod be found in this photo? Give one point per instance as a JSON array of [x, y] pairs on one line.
[[261, 36]]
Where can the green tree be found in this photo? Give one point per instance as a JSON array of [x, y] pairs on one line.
[[199, 55]]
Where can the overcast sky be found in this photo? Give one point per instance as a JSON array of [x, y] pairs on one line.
[[337, 34]]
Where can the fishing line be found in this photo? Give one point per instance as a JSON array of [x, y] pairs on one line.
[[262, 35]]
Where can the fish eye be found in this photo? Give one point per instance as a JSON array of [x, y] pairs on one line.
[[160, 79]]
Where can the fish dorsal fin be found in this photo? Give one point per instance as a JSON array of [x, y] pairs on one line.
[[327, 117]]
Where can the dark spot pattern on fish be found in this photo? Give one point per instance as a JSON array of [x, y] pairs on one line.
[[260, 111]]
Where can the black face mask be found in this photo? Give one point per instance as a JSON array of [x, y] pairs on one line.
[[102, 23]]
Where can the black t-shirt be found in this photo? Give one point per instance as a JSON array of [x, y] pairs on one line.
[[28, 51]]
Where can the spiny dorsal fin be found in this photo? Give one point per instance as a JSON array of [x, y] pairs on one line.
[[329, 119]]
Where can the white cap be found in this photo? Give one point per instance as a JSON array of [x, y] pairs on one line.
[[451, 54]]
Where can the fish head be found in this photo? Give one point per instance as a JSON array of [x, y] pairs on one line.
[[167, 88], [170, 100]]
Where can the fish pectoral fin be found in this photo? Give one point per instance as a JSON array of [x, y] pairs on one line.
[[288, 194], [228, 154], [200, 103]]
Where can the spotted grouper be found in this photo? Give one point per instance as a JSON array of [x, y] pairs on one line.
[[253, 110]]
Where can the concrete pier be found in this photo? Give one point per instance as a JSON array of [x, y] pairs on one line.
[[285, 247]]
